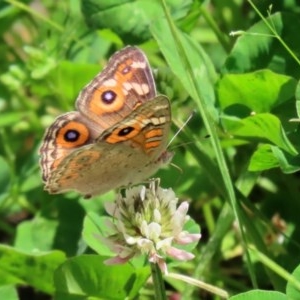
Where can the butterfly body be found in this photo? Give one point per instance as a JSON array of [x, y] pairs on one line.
[[118, 136]]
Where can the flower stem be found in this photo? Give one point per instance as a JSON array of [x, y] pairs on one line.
[[158, 282]]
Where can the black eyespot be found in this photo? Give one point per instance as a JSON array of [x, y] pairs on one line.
[[71, 135], [108, 97], [125, 131]]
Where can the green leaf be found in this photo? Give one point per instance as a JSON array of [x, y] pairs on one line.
[[94, 228], [32, 269], [31, 234], [257, 48], [70, 217], [88, 276], [11, 118], [293, 288], [263, 159], [69, 78], [297, 95], [199, 61], [8, 292], [118, 15], [63, 233], [39, 63], [264, 128], [4, 174], [260, 91], [260, 295], [268, 157], [288, 163]]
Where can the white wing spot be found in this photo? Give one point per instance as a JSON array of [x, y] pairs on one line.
[[162, 120], [155, 121], [110, 82], [140, 89], [139, 65]]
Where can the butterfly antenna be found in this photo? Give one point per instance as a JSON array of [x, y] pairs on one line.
[[181, 128], [177, 168]]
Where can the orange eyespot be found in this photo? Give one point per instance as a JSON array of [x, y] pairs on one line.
[[122, 134], [73, 134], [106, 100]]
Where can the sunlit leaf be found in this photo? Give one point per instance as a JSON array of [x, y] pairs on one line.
[[35, 269], [88, 276]]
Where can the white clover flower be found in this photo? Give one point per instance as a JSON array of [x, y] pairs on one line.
[[146, 221]]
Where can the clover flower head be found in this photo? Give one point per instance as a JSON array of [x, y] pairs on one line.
[[147, 221]]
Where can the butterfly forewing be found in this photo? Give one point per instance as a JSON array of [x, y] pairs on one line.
[[126, 82], [118, 136]]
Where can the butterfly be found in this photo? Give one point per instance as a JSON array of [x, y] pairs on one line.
[[118, 135]]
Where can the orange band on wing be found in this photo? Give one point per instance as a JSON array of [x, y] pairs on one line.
[[153, 133], [153, 144]]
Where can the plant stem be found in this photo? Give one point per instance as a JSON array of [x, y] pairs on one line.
[[158, 282]]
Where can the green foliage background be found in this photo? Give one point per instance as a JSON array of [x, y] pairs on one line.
[[238, 157]]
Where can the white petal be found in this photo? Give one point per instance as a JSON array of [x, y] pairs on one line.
[[179, 217], [154, 231], [130, 239], [144, 229], [157, 215], [143, 193], [145, 245], [164, 244]]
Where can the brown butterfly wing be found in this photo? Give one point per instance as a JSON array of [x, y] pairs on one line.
[[113, 94], [91, 151], [67, 133], [125, 154]]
